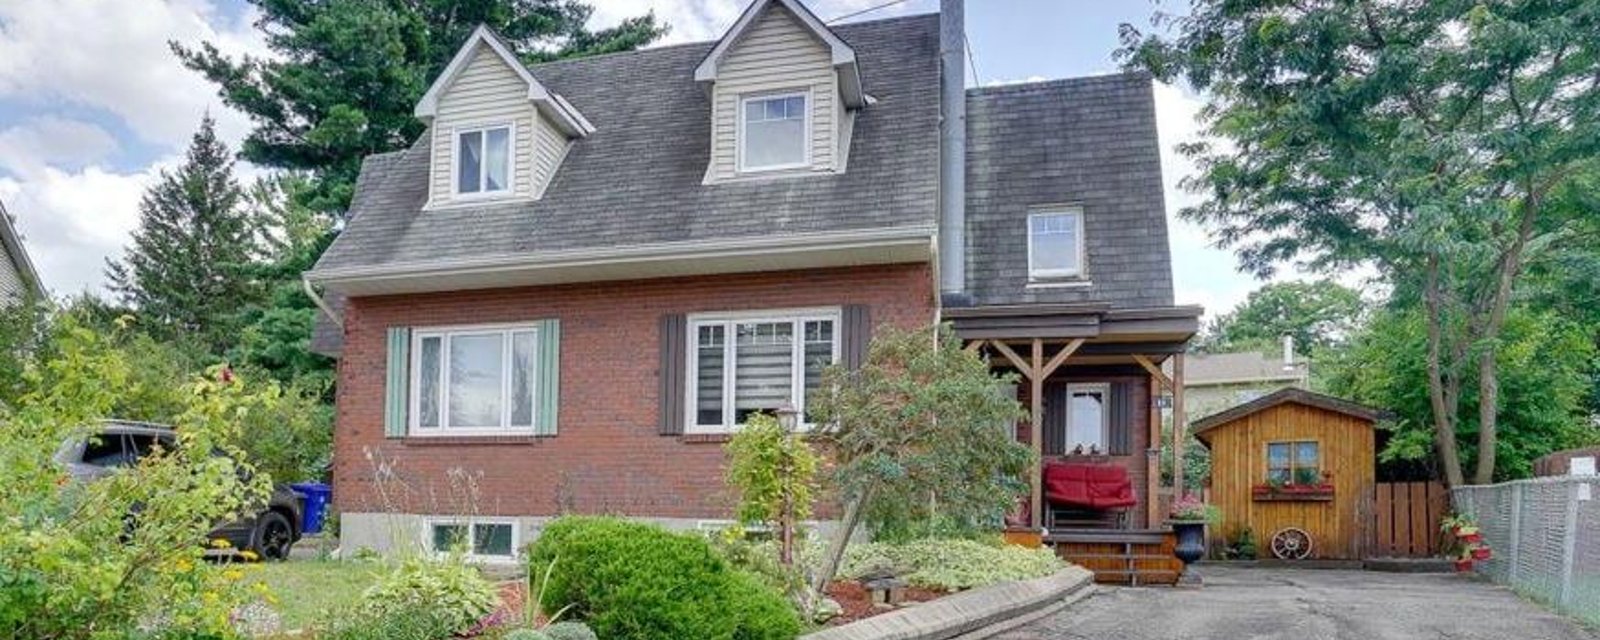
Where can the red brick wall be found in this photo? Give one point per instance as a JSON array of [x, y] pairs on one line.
[[607, 457], [1136, 461]]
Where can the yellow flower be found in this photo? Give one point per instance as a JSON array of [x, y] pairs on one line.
[[184, 565], [233, 574], [249, 555], [220, 543]]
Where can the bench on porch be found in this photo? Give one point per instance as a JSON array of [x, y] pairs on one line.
[[1087, 495]]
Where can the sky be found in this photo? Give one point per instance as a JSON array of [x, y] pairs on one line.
[[93, 106]]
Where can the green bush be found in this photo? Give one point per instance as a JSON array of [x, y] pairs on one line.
[[570, 631], [633, 581], [447, 590], [951, 564], [420, 623], [526, 634]]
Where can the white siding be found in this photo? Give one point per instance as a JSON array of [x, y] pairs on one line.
[[11, 285], [774, 54], [489, 91]]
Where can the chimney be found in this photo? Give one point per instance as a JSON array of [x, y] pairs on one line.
[[953, 154], [1288, 353]]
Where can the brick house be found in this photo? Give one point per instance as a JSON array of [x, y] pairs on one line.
[[568, 292]]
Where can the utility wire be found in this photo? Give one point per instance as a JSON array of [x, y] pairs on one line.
[[972, 60], [867, 10]]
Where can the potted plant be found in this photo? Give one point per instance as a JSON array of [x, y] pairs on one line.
[[1188, 518], [1463, 561]]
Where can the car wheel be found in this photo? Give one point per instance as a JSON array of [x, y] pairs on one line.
[[273, 536]]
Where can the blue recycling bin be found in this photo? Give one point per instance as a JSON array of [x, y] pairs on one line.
[[316, 497]]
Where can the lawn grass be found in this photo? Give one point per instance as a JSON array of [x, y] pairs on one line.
[[305, 589]]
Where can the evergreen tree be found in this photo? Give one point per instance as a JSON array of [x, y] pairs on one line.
[[348, 73], [186, 271]]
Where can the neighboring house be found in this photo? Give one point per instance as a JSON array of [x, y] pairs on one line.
[[586, 273], [1217, 381], [17, 276]]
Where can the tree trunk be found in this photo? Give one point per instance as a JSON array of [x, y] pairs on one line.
[[836, 548], [1444, 424], [1488, 403], [1510, 265]]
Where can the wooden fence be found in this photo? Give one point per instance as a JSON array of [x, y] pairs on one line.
[[1408, 515]]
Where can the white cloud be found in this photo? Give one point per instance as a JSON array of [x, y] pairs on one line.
[[700, 20], [27, 148], [113, 55]]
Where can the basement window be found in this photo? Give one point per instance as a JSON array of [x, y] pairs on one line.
[[478, 538]]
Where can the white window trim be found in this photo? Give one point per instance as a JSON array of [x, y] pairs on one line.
[[1035, 274], [738, 145], [797, 378], [455, 161], [414, 368], [1104, 389], [429, 523]]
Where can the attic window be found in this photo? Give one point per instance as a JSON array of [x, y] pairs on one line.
[[483, 165], [773, 132]]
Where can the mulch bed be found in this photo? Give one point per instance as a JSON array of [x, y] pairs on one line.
[[856, 601]]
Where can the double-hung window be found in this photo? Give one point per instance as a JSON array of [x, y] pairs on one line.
[[483, 160], [474, 380], [1055, 244], [743, 364], [774, 132], [1293, 463], [1088, 421]]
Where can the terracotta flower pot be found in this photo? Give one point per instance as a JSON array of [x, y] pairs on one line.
[[1482, 553], [1463, 566]]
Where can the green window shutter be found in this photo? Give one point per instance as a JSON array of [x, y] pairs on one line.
[[549, 381], [396, 396]]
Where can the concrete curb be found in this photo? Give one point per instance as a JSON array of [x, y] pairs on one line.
[[969, 615]]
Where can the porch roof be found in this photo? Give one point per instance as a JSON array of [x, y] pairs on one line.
[[1105, 331]]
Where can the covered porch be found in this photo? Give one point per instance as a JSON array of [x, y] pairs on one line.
[[1093, 381]]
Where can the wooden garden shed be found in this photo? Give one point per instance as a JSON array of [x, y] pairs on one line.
[[1297, 468]]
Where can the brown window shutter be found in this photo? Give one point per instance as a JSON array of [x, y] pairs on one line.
[[674, 363], [1055, 418], [856, 335], [1122, 414]]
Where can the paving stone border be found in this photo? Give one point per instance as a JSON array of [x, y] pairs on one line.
[[972, 614]]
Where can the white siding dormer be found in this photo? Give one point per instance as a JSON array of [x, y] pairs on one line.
[[487, 100], [775, 55]]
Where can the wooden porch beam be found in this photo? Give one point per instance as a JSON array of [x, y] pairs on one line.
[[1180, 426], [1155, 371], [975, 345], [1016, 360], [1061, 356], [1036, 432]]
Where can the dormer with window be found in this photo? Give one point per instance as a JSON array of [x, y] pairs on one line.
[[784, 90], [497, 134]]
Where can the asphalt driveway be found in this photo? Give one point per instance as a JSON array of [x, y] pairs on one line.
[[1246, 604]]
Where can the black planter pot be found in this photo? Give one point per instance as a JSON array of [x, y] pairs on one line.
[[1191, 541]]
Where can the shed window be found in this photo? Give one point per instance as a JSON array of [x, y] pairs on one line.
[[773, 132], [1087, 419], [483, 161], [1055, 244], [1293, 463]]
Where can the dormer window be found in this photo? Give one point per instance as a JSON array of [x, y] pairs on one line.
[[1055, 244], [483, 166], [774, 132]]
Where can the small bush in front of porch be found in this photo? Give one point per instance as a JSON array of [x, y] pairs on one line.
[[630, 580], [951, 564]]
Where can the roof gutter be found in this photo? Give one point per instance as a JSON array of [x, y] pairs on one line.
[[758, 247]]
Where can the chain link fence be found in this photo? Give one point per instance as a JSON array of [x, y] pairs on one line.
[[1545, 533]]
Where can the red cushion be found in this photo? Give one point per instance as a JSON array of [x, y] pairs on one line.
[[1088, 486]]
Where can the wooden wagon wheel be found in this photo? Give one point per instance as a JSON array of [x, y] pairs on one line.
[[1291, 543]]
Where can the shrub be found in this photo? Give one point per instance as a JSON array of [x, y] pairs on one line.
[[420, 623], [570, 631], [527, 634], [638, 581], [951, 564], [761, 613], [445, 590]]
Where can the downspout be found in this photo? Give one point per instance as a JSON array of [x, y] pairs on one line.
[[320, 302], [953, 155]]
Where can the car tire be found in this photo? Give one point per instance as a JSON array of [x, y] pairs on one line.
[[273, 536]]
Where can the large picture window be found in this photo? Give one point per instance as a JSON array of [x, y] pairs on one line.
[[773, 132], [1055, 244], [483, 160], [750, 363], [473, 380]]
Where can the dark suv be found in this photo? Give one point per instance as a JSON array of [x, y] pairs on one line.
[[115, 444]]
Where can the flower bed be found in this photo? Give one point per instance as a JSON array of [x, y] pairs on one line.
[[855, 601], [1319, 492]]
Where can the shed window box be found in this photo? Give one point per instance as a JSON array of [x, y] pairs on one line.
[[1292, 493]]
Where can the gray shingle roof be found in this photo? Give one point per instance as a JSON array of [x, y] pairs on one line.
[[1089, 142], [637, 180]]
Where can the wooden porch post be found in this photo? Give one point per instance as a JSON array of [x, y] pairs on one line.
[[1180, 426], [1036, 434], [1152, 458]]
